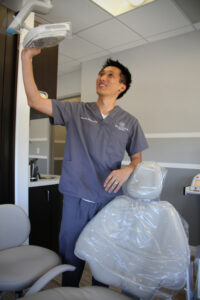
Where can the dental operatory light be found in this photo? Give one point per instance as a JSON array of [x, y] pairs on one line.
[[118, 7], [42, 36], [47, 35]]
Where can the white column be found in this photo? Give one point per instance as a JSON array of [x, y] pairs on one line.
[[22, 132]]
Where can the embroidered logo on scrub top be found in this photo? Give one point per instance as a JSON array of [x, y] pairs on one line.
[[88, 119], [121, 126]]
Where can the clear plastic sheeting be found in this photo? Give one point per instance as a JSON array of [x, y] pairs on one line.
[[138, 243], [146, 183]]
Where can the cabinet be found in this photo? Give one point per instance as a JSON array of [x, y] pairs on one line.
[[8, 74], [58, 141], [45, 68], [39, 144], [59, 138], [45, 211]]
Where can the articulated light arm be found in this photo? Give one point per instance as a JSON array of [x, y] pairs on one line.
[[42, 7]]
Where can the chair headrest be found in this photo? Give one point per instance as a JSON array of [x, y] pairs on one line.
[[14, 226], [146, 182]]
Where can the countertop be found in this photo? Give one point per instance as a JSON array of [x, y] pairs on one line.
[[49, 180]]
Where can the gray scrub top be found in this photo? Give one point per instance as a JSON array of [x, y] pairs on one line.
[[94, 147]]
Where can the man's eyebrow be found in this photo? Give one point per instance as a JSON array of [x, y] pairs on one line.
[[106, 71]]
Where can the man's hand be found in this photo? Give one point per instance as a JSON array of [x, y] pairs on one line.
[[116, 178], [34, 98], [28, 53]]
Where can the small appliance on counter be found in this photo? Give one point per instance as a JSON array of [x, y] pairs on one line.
[[34, 173], [194, 189]]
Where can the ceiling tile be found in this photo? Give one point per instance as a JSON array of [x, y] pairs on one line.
[[96, 33], [77, 48], [41, 19], [191, 8], [128, 46], [68, 67], [197, 26], [81, 13], [93, 56], [62, 59], [109, 34], [169, 34], [155, 18], [14, 5]]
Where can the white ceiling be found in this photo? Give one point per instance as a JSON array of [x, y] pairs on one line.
[[96, 33]]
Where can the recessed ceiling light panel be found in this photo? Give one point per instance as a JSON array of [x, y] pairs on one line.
[[118, 7], [136, 2]]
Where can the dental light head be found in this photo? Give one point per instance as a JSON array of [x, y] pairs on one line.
[[47, 35], [42, 36]]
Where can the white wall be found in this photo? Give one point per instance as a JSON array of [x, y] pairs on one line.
[[69, 85], [165, 91]]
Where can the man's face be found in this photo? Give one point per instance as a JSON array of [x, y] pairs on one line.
[[108, 82]]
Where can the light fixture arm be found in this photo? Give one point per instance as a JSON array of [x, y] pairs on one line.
[[37, 6]]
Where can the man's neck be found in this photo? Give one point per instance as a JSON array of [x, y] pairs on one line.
[[105, 105]]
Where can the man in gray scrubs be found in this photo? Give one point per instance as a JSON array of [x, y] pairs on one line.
[[98, 134]]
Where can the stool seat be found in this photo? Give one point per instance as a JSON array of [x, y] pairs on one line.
[[22, 266], [83, 293]]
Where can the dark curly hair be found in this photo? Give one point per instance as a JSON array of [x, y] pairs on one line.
[[125, 76]]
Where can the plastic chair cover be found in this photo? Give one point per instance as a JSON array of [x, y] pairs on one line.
[[137, 243]]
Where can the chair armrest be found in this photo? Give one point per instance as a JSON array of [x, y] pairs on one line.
[[47, 277]]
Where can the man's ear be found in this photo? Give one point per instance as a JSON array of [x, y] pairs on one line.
[[122, 88]]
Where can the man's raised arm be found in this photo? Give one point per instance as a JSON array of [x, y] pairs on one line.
[[33, 96]]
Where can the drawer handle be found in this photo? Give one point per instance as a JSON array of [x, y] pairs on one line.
[[48, 195]]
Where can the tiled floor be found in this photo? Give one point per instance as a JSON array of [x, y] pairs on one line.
[[85, 280]]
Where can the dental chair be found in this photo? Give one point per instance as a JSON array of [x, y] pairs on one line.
[[136, 243], [23, 266]]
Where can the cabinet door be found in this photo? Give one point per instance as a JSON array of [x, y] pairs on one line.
[[40, 217], [58, 141], [45, 209], [8, 73], [45, 68]]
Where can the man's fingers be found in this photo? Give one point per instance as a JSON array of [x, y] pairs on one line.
[[112, 185]]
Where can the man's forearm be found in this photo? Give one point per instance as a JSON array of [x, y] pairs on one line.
[[135, 160], [33, 95]]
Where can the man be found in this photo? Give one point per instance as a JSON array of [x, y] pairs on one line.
[[98, 134]]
